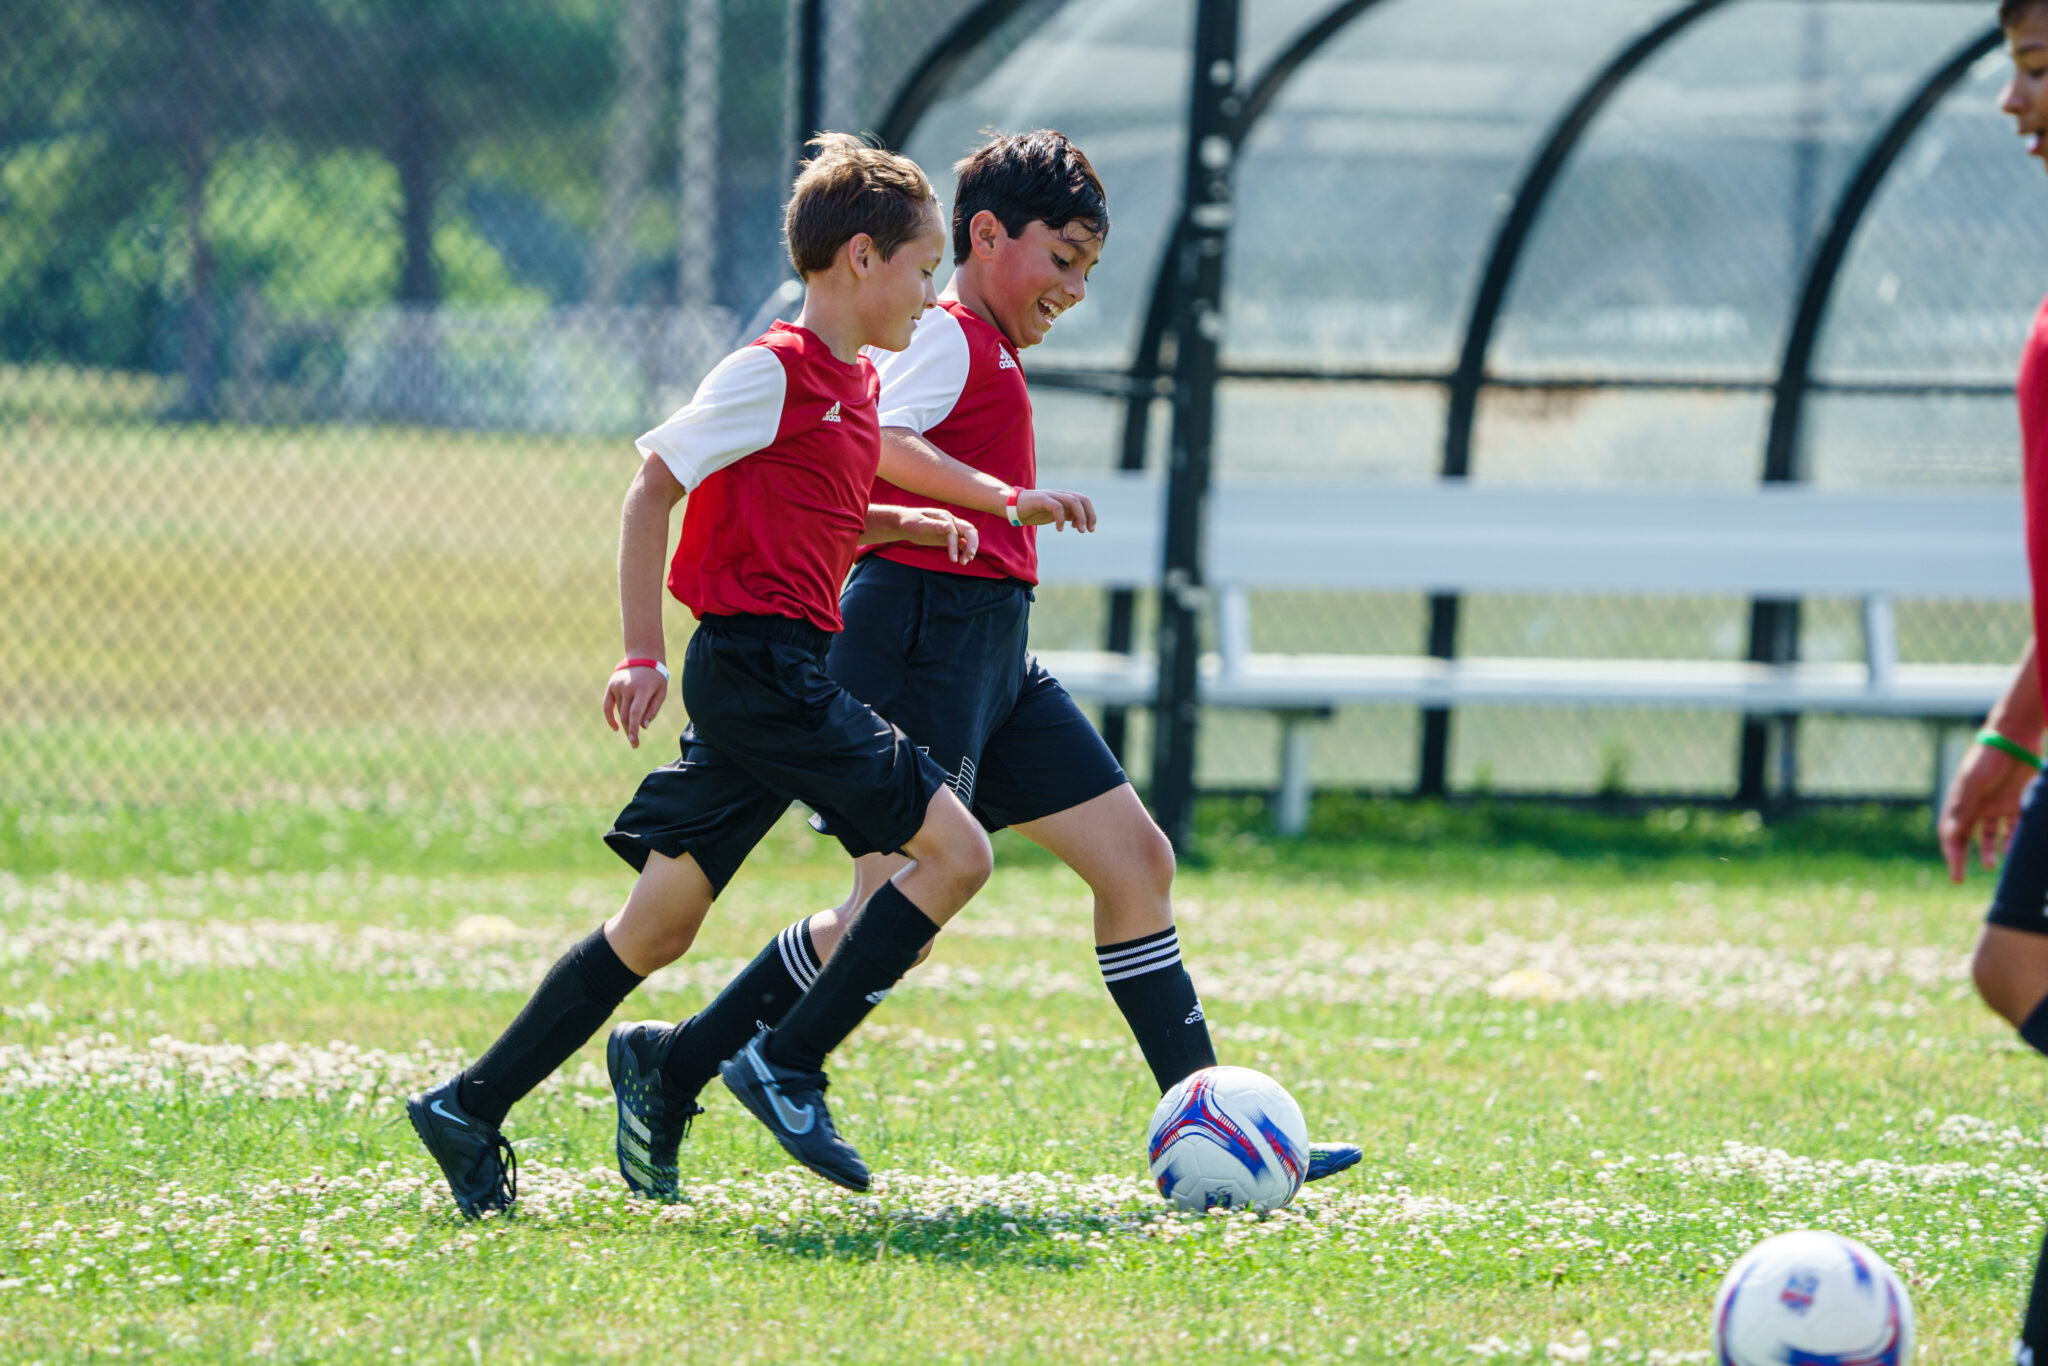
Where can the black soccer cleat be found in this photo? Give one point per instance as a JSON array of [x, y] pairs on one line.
[[482, 1172], [1327, 1159], [652, 1123], [792, 1105]]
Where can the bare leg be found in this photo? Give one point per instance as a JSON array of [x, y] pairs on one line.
[[2011, 970], [870, 871], [1127, 863], [1125, 859], [662, 914]]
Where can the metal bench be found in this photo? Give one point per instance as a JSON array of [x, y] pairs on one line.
[[1778, 542]]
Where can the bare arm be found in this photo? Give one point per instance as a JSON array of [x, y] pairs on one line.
[[922, 526], [917, 466], [633, 696], [1983, 801]]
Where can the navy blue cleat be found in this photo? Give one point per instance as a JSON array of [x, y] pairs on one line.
[[1327, 1159], [652, 1122], [482, 1172], [792, 1105]]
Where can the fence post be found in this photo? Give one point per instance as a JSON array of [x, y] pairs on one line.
[[806, 81], [1198, 325]]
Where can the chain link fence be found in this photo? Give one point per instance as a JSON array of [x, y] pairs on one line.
[[324, 327]]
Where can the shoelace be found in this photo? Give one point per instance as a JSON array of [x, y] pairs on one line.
[[689, 1116], [508, 1181]]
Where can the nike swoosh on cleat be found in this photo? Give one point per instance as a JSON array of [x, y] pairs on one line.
[[796, 1120], [436, 1108]]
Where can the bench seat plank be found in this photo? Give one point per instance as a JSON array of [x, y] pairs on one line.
[[1309, 682]]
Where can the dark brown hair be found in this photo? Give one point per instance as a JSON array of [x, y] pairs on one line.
[[2010, 12], [1025, 177], [849, 187]]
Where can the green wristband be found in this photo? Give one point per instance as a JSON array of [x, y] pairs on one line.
[[1991, 739]]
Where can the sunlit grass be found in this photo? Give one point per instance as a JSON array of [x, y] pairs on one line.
[[1591, 1058]]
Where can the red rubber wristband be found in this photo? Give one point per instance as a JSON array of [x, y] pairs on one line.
[[653, 664], [1010, 506]]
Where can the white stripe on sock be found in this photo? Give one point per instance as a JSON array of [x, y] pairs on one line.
[[1140, 971], [1119, 957], [1165, 954], [795, 957]]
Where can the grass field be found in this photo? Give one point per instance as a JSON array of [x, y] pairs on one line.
[[1591, 1059]]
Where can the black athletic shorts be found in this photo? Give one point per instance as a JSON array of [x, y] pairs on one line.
[[944, 657], [768, 727], [2021, 901]]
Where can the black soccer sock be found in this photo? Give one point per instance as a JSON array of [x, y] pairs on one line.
[[576, 997], [2034, 1029], [1146, 980], [879, 946], [2034, 1328], [756, 999]]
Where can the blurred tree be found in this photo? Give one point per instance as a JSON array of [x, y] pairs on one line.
[[423, 84]]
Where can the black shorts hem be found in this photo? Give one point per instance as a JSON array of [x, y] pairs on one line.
[[888, 841], [634, 849], [2021, 901], [2026, 922], [1066, 801]]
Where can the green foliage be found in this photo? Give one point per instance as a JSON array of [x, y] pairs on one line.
[[324, 142]]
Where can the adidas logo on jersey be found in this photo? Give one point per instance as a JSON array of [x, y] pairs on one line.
[[1004, 360], [832, 413], [1194, 1016]]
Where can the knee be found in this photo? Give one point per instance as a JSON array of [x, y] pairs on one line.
[[676, 941], [970, 859], [1141, 873], [1152, 861], [2010, 971], [1998, 984]]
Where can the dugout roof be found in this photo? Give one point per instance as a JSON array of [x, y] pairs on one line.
[[1705, 242]]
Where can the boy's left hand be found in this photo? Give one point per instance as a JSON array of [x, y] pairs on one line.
[[631, 699], [936, 526]]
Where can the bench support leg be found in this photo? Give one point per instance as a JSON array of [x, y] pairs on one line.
[[1951, 743], [1290, 805]]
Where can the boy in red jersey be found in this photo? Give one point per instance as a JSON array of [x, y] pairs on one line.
[[1995, 799], [777, 452], [939, 647]]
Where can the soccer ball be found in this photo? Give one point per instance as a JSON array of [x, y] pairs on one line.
[[1228, 1137], [1812, 1297]]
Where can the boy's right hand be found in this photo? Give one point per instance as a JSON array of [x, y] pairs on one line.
[[1982, 807], [1057, 508], [936, 526], [632, 698]]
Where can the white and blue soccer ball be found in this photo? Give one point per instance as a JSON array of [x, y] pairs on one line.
[[1812, 1299], [1228, 1138]]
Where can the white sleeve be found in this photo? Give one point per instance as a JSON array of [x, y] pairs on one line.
[[922, 382], [736, 411]]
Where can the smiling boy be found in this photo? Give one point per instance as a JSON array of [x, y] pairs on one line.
[[940, 648]]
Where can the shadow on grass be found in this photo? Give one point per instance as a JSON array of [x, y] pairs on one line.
[[981, 1235]]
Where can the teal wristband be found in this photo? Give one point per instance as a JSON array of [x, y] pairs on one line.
[[1991, 739]]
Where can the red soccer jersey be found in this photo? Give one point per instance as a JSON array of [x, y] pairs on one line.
[[777, 450], [2033, 396], [959, 385]]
